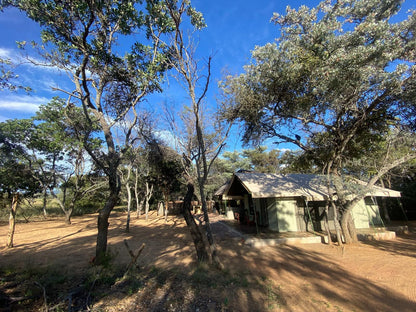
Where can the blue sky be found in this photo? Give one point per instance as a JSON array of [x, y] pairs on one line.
[[234, 29]]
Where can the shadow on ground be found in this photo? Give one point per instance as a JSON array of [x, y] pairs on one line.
[[281, 278]]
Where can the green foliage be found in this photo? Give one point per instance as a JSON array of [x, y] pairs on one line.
[[335, 84], [166, 167], [15, 166]]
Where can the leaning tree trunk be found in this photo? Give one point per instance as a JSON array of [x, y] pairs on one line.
[[12, 220], [197, 236]]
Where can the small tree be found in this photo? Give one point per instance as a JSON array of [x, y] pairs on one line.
[[203, 143], [16, 178]]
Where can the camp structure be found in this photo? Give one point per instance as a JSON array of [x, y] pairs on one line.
[[292, 202]]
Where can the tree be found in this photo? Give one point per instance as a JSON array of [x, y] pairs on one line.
[[336, 83], [125, 173], [166, 170], [16, 178], [49, 145], [203, 142], [8, 77], [81, 38]]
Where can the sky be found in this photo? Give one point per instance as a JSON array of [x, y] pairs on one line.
[[234, 28]]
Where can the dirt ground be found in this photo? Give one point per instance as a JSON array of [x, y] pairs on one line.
[[371, 276]]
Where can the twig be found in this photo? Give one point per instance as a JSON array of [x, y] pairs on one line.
[[44, 296], [89, 294], [133, 256]]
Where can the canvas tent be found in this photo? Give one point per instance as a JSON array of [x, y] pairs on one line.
[[292, 202]]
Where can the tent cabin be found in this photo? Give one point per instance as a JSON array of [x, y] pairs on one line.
[[291, 202]]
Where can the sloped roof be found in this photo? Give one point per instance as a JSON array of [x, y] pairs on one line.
[[311, 186], [222, 189]]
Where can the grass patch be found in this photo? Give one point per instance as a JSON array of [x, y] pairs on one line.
[[151, 288]]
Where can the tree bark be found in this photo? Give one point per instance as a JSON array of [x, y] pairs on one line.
[[68, 215], [128, 207], [128, 199], [212, 247], [102, 222], [347, 224], [351, 229], [67, 212], [348, 228], [139, 205], [12, 220], [336, 223], [197, 236], [383, 207], [166, 207], [160, 209], [147, 196], [44, 201], [328, 232]]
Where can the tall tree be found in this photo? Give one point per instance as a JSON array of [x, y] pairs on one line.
[[203, 141], [335, 83], [82, 39]]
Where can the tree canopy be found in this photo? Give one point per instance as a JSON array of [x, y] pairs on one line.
[[338, 83], [109, 80]]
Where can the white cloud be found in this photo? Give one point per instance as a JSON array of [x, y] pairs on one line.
[[5, 53], [23, 104], [168, 138]]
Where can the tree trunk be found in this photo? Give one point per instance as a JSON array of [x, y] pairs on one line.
[[147, 196], [67, 212], [12, 220], [160, 209], [128, 207], [146, 209], [166, 210], [102, 222], [139, 205], [383, 207], [336, 223], [347, 224], [45, 194], [352, 230], [328, 232], [349, 239], [197, 236], [213, 249]]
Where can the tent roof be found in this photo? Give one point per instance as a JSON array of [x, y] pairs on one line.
[[222, 189], [311, 186]]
